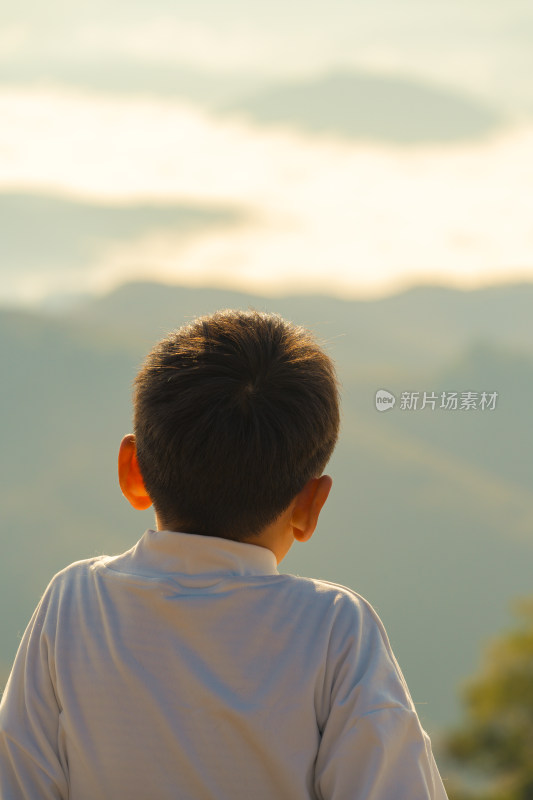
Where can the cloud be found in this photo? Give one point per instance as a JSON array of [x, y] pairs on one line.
[[178, 41], [323, 214], [13, 39], [483, 45]]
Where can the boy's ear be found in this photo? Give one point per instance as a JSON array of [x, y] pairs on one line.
[[308, 505], [129, 475]]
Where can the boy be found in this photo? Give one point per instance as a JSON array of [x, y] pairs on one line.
[[188, 668]]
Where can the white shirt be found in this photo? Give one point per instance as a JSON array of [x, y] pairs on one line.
[[188, 668]]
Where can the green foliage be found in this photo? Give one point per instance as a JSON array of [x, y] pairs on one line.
[[497, 736]]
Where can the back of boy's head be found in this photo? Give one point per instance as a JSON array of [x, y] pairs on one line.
[[233, 414]]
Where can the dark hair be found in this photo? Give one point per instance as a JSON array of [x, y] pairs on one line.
[[233, 414]]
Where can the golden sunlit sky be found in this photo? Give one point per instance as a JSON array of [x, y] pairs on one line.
[[129, 105]]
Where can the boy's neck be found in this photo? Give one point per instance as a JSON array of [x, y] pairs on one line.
[[276, 537]]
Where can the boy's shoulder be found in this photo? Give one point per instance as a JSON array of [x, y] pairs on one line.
[[76, 569], [347, 607], [71, 577], [354, 628], [329, 591]]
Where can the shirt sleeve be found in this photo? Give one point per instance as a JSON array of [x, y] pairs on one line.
[[31, 762], [372, 746]]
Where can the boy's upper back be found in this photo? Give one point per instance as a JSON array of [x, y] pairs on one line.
[[189, 667]]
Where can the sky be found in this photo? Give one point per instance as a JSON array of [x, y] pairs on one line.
[[125, 105]]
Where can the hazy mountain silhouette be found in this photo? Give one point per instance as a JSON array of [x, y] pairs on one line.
[[369, 106], [418, 327], [431, 512]]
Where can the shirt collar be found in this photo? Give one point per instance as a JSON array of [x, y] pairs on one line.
[[191, 554]]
